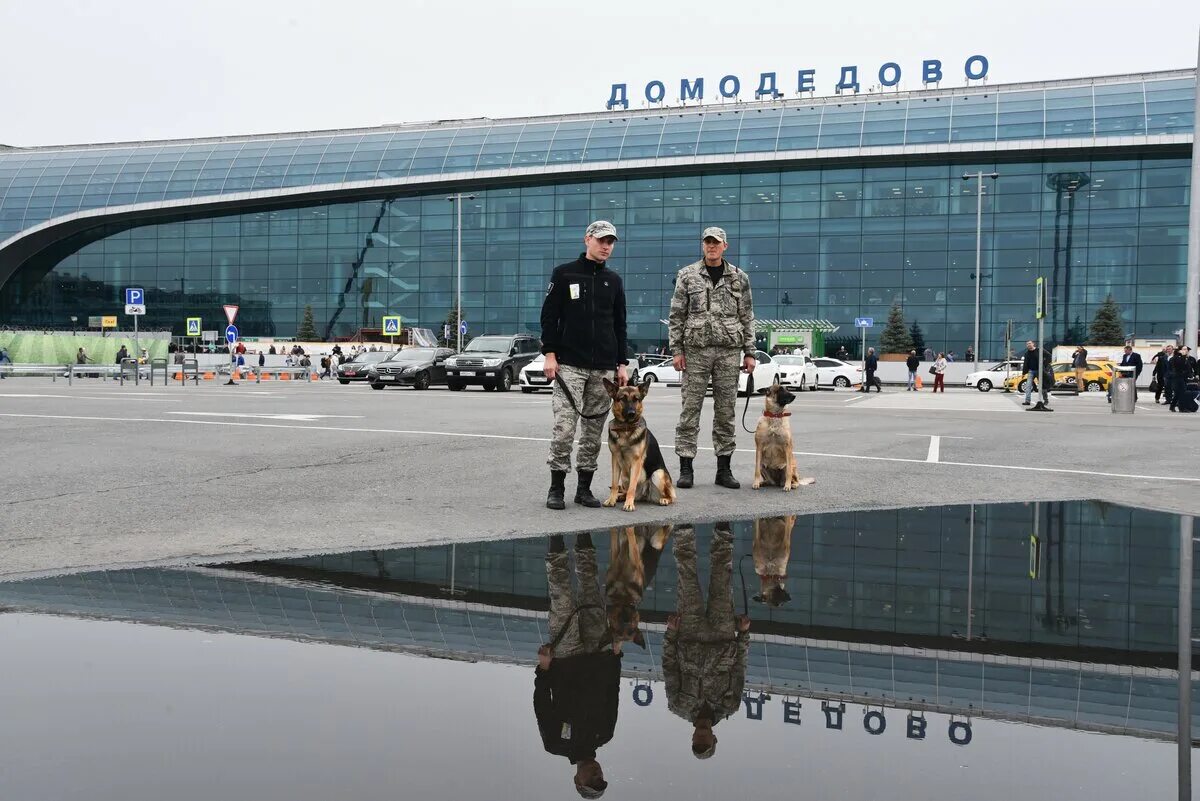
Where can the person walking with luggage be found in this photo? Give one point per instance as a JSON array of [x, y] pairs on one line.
[[939, 373], [870, 365], [712, 337], [912, 362], [583, 337]]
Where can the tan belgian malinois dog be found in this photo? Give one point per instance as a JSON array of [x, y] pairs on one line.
[[774, 459], [772, 550]]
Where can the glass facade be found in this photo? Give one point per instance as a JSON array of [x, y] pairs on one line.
[[833, 242]]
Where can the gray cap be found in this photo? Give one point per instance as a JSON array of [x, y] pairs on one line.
[[602, 228], [715, 233]]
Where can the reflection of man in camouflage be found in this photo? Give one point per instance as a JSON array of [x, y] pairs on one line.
[[711, 326], [706, 647], [583, 337], [577, 682]]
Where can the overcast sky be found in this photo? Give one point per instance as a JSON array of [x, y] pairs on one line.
[[113, 70]]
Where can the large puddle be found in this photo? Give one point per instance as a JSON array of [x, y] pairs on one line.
[[1018, 650]]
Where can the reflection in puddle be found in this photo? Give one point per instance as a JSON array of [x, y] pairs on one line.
[[921, 642]]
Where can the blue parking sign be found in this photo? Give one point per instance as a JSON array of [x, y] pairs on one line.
[[135, 296]]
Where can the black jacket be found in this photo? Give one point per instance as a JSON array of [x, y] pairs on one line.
[[913, 363], [872, 363], [575, 702], [1029, 364], [1134, 359], [583, 316]]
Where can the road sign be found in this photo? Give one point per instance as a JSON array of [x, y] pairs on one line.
[[135, 296], [864, 322], [209, 336], [230, 313], [108, 321], [1040, 301], [391, 325], [446, 331], [193, 326], [135, 308], [462, 327], [231, 333]]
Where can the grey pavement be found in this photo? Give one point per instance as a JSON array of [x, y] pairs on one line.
[[102, 475]]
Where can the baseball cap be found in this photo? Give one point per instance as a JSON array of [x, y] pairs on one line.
[[715, 233], [602, 228]]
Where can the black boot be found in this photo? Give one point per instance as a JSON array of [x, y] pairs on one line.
[[583, 491], [725, 474], [556, 498], [686, 479]]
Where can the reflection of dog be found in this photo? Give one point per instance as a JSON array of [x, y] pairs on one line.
[[634, 552], [638, 469], [772, 549], [774, 460]]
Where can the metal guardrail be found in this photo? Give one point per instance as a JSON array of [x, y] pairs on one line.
[[131, 370]]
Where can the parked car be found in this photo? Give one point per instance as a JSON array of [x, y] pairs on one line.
[[419, 368], [491, 361], [837, 373], [662, 373], [1095, 379], [766, 370], [809, 379], [531, 377], [993, 376], [356, 369]]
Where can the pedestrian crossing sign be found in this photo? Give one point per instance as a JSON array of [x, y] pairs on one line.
[[391, 325], [193, 326]]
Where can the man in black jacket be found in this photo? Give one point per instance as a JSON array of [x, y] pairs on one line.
[[1162, 373], [583, 337], [870, 364], [1029, 367], [576, 686], [1129, 359], [912, 363]]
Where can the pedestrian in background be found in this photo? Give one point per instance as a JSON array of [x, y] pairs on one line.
[[1129, 359], [1178, 376], [584, 339], [912, 362], [4, 359], [1079, 364], [1029, 366], [928, 354], [870, 365], [712, 337], [1162, 373], [939, 373], [969, 356]]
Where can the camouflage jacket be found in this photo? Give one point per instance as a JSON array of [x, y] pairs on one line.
[[705, 316], [699, 673]]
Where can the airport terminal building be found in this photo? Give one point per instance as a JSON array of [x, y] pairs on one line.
[[837, 206]]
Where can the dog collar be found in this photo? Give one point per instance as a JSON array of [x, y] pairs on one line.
[[777, 414]]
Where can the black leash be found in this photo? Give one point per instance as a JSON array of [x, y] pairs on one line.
[[571, 400], [742, 578], [746, 408], [561, 632]]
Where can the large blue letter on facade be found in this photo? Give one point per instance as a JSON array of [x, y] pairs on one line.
[[691, 91], [807, 81], [643, 694], [754, 706], [791, 712], [619, 96], [767, 86], [874, 722], [960, 732], [894, 68], [931, 71], [848, 80], [975, 75], [833, 714], [916, 726], [656, 88], [737, 86]]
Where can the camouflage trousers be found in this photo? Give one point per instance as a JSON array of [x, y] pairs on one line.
[[713, 621], [586, 632], [591, 398], [721, 366]]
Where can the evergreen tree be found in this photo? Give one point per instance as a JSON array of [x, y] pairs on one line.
[[1106, 326], [918, 337], [451, 322], [895, 338], [307, 332]]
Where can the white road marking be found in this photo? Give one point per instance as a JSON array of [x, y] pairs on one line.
[[665, 446], [935, 448], [305, 418], [90, 397]]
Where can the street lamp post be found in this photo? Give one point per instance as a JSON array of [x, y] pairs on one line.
[[457, 199], [978, 176]]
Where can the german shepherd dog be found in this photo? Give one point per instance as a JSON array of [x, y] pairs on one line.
[[633, 560], [638, 469], [774, 459], [772, 549]]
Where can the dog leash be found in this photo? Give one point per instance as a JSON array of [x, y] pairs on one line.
[[562, 632], [571, 400], [746, 408]]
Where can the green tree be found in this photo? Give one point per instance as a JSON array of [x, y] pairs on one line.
[[918, 337], [1106, 326], [451, 324], [307, 332], [895, 338]]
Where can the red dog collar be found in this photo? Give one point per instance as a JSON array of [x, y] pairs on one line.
[[779, 414]]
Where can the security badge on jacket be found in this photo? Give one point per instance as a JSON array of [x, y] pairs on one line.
[[574, 291]]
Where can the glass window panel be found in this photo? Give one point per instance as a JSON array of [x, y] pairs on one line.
[[1022, 115], [534, 145], [642, 138], [497, 150], [974, 118], [719, 134], [1170, 106], [680, 136], [928, 122], [884, 124], [760, 131], [841, 126], [569, 142], [1069, 112]]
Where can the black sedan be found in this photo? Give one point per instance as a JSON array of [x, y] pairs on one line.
[[356, 369], [418, 368]]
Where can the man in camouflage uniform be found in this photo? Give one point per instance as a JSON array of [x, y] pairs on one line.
[[577, 680], [583, 337], [706, 647], [712, 336]]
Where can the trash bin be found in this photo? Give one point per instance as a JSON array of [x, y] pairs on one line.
[[1123, 391]]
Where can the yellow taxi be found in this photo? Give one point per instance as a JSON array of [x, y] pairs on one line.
[[1096, 377]]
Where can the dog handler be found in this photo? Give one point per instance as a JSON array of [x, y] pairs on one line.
[[583, 337], [711, 325]]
